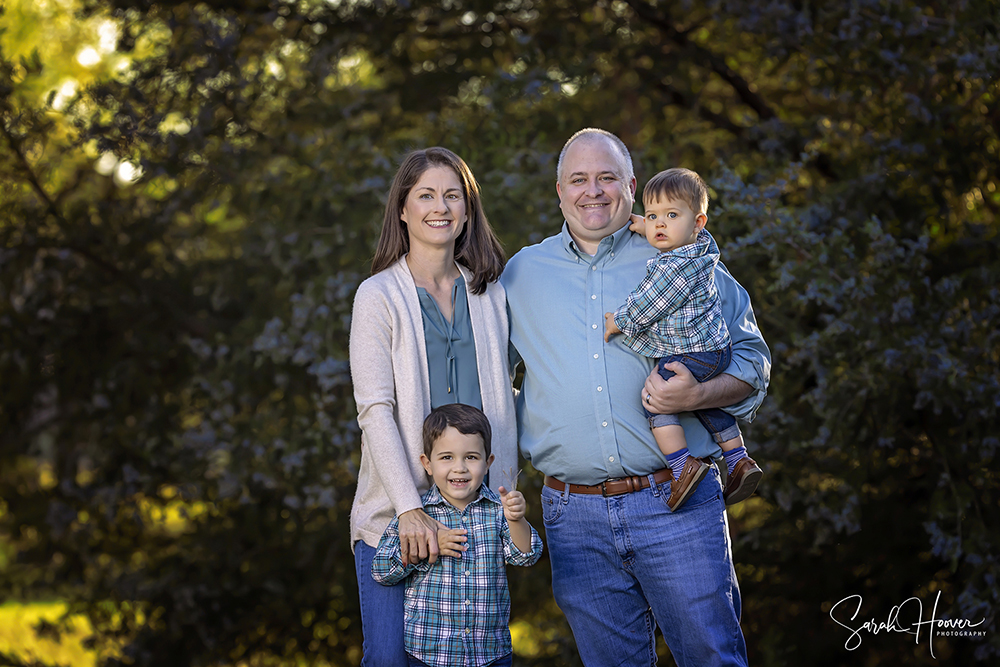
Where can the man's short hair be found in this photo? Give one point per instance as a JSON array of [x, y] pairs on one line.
[[463, 418], [592, 132], [678, 184]]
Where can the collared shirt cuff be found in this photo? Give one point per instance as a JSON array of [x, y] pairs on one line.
[[751, 372]]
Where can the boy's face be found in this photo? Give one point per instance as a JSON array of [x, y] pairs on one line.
[[457, 464], [671, 224]]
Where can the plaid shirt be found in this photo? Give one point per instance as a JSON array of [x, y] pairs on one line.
[[456, 611], [676, 308]]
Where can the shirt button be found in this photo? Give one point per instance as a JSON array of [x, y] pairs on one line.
[[593, 268], [611, 458], [593, 326], [467, 602], [612, 254], [464, 519], [600, 389], [467, 573], [595, 356], [593, 296], [467, 631], [604, 423]]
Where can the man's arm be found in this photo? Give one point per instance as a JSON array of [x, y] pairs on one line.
[[683, 393], [742, 387]]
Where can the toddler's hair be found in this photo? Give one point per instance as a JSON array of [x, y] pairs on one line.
[[463, 418], [678, 183]]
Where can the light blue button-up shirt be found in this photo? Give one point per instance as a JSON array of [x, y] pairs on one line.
[[580, 417]]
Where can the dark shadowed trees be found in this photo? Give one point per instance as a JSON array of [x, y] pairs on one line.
[[177, 434]]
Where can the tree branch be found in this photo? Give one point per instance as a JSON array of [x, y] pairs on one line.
[[715, 62]]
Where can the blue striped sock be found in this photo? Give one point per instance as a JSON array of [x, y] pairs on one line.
[[733, 457], [677, 461]]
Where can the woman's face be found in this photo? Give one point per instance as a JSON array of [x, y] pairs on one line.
[[434, 210]]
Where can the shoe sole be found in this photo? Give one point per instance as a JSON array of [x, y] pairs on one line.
[[691, 487], [746, 488]]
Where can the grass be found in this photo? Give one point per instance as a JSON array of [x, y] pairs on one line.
[[18, 637]]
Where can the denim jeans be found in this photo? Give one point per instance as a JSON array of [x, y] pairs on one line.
[[499, 662], [703, 366], [615, 558], [381, 614]]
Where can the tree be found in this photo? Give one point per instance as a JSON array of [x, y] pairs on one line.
[[178, 437]]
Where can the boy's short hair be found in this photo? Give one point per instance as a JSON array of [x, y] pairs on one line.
[[678, 183], [463, 418]]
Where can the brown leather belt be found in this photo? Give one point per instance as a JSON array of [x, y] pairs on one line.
[[613, 487]]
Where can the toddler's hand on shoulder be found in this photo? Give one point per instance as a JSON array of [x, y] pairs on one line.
[[637, 224], [514, 506]]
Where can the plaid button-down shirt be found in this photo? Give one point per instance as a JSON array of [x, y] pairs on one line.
[[676, 308], [456, 610]]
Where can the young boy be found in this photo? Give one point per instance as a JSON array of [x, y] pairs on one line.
[[676, 314], [456, 611]]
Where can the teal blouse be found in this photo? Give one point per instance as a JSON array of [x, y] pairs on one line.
[[451, 350]]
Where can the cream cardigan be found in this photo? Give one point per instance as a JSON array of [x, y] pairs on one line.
[[392, 392]]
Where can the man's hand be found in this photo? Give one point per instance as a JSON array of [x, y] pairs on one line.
[[452, 542], [514, 506], [637, 224], [681, 393], [610, 328], [418, 539]]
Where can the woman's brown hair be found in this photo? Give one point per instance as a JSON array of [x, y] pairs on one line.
[[476, 248]]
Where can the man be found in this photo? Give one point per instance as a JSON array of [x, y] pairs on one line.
[[619, 557]]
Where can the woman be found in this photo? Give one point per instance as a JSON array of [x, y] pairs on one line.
[[429, 328]]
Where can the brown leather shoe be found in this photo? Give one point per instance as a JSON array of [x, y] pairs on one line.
[[682, 487], [743, 481]]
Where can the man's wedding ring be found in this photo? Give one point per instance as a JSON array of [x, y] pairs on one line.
[[649, 397]]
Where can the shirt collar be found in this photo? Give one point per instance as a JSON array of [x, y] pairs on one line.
[[434, 497], [613, 242], [702, 245]]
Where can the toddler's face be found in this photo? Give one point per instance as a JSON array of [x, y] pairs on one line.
[[458, 464], [671, 224]]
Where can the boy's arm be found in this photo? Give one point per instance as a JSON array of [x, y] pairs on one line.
[[662, 292], [521, 543], [387, 565]]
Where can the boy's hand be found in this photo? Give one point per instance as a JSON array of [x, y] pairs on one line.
[[637, 224], [513, 504], [452, 542], [610, 328]]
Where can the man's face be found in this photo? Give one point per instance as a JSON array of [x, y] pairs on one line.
[[594, 195]]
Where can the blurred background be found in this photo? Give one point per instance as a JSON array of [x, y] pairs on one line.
[[190, 192]]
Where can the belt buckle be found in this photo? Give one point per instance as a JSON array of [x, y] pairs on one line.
[[604, 488]]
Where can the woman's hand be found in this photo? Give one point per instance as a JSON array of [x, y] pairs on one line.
[[418, 537]]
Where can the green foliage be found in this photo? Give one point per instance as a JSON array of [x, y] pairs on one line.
[[177, 430]]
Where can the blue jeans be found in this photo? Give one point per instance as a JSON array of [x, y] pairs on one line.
[[499, 662], [381, 614], [614, 558], [703, 366]]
